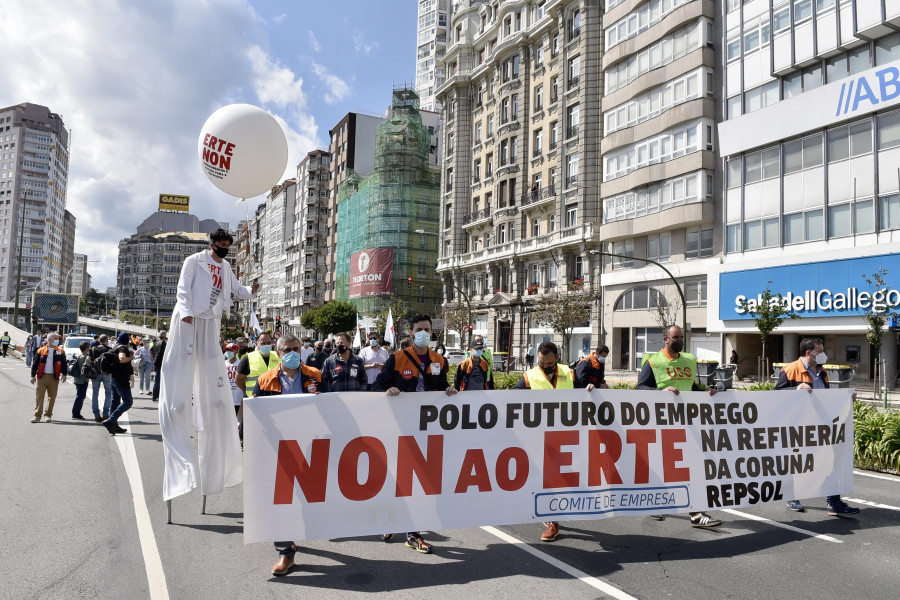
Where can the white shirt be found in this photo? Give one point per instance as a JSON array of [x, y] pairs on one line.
[[305, 352], [370, 356], [205, 287], [231, 369]]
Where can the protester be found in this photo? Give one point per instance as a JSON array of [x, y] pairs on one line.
[[306, 350], [549, 374], [421, 370], [317, 358], [36, 342], [122, 377], [145, 367], [159, 352], [80, 379], [193, 371], [289, 377], [473, 373], [344, 371], [529, 357], [441, 349], [328, 349], [374, 357], [808, 373], [4, 343], [592, 369], [231, 367], [29, 350], [255, 364], [487, 355], [672, 370], [99, 379], [47, 371]]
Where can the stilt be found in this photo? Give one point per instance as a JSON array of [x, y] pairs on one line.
[[203, 508], [169, 512]]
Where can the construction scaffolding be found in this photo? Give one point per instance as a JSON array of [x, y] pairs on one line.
[[385, 209]]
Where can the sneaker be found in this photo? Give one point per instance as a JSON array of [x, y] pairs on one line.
[[549, 534], [796, 506], [36, 420], [704, 520], [46, 419], [282, 565], [842, 510], [109, 426], [78, 417], [657, 517], [418, 544], [387, 537]]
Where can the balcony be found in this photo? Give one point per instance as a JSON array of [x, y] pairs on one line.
[[478, 217], [571, 132], [538, 196], [573, 82]]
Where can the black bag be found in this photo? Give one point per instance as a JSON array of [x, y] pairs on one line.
[[74, 370], [89, 368], [106, 364]]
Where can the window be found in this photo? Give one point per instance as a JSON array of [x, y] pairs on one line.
[[695, 293], [659, 247], [538, 142], [539, 97], [623, 249], [698, 243], [551, 223], [535, 227], [571, 216], [478, 132], [551, 274]]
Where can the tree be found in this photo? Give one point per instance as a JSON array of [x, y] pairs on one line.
[[563, 311], [456, 318], [768, 312], [308, 320], [335, 317], [876, 317], [663, 312]]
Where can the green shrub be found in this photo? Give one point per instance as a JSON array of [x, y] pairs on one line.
[[623, 385], [504, 381], [876, 438], [765, 386]]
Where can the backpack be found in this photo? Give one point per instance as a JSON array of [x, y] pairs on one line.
[[106, 364], [88, 368], [74, 370]]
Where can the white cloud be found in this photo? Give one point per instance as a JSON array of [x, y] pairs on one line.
[[314, 42], [134, 82], [280, 18], [362, 46], [338, 89]]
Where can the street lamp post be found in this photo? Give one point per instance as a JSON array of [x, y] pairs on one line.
[[66, 286], [145, 294], [653, 262], [19, 260]]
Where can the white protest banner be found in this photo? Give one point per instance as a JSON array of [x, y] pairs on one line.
[[348, 464]]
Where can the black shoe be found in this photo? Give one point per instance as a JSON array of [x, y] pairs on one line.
[[78, 417], [109, 426], [118, 429], [98, 419]]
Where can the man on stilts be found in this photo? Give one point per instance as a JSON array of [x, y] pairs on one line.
[[195, 394]]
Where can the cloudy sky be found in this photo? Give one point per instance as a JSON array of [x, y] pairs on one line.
[[134, 81]]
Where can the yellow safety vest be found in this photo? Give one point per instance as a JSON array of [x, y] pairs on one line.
[[538, 381], [258, 366], [678, 373]]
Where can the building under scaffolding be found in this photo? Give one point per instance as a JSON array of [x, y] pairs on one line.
[[384, 211]]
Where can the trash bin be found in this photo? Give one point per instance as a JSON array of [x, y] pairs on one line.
[[776, 370], [840, 375], [724, 378], [706, 372]]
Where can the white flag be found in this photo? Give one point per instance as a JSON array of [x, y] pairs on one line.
[[389, 329], [357, 343], [254, 322]]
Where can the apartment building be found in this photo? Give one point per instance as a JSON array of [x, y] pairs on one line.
[[67, 262], [520, 166], [431, 46], [352, 148], [274, 299], [34, 175], [305, 273], [80, 278], [811, 146]]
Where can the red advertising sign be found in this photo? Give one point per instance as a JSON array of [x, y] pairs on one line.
[[371, 272]]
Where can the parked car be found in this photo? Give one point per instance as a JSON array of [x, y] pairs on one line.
[[455, 356], [104, 319], [71, 346], [127, 322]]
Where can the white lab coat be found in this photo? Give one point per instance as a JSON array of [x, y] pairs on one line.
[[194, 387]]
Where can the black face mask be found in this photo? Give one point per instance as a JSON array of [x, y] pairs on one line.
[[220, 252], [341, 348], [677, 346], [327, 348], [548, 371], [242, 351]]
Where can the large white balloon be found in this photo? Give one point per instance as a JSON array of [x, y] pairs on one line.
[[243, 150]]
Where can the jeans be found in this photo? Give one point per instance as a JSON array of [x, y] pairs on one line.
[[285, 548], [156, 381], [144, 372], [114, 398], [80, 394], [124, 391], [29, 356], [107, 391]]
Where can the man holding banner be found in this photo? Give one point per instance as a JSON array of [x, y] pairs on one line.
[[672, 370], [422, 370], [807, 373]]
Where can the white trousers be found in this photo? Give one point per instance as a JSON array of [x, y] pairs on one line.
[[193, 365]]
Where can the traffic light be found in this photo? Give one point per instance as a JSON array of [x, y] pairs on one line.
[[409, 282]]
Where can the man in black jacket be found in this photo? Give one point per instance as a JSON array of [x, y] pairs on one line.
[[99, 379], [159, 349]]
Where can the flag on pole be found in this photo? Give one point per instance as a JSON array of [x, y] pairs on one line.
[[389, 329], [254, 322], [357, 343]]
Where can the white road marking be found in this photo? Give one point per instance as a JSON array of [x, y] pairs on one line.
[[594, 582], [874, 504], [820, 536], [874, 476], [152, 562]]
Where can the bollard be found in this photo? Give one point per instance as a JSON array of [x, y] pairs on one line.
[[203, 507], [168, 512]]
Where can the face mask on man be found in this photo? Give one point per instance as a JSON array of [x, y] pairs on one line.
[[220, 252], [56, 342], [291, 360], [229, 354], [264, 349], [422, 338], [373, 342], [306, 344], [243, 350], [548, 371], [821, 358], [477, 353], [677, 345], [341, 348], [601, 359]]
